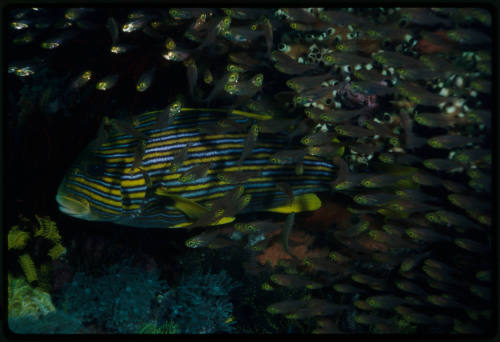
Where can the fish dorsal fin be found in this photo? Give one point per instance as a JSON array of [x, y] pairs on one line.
[[189, 207], [222, 220], [257, 116], [305, 202]]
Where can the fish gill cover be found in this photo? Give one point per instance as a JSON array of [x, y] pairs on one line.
[[334, 162]]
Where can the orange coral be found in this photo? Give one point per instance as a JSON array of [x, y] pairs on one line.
[[299, 246]]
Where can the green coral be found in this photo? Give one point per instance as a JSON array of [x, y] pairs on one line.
[[35, 245], [17, 238], [164, 329], [24, 300]]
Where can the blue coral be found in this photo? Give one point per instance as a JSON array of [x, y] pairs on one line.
[[200, 304], [119, 300]]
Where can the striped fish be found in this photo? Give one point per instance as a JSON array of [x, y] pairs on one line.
[[104, 185]]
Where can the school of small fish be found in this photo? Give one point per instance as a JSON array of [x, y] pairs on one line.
[[397, 99]]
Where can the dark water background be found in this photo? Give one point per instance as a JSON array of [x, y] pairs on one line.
[[40, 145]]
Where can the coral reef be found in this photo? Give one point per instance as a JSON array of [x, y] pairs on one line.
[[24, 300], [200, 304], [164, 329], [393, 105], [29, 240], [119, 300], [55, 322]]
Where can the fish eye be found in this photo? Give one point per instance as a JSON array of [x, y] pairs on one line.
[[233, 77], [330, 31], [387, 117], [394, 141], [284, 47], [257, 81], [170, 44]]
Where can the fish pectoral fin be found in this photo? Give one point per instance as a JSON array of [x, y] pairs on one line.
[[189, 207], [305, 202], [181, 225], [223, 220]]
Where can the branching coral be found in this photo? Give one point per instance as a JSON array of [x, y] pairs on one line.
[[17, 239], [30, 238]]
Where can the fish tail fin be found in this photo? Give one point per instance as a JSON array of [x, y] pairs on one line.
[[305, 202]]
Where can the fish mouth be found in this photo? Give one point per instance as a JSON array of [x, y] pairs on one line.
[[73, 207]]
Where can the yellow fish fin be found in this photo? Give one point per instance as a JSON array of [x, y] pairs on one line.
[[340, 151], [256, 116], [223, 220], [305, 202], [189, 207], [181, 225]]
